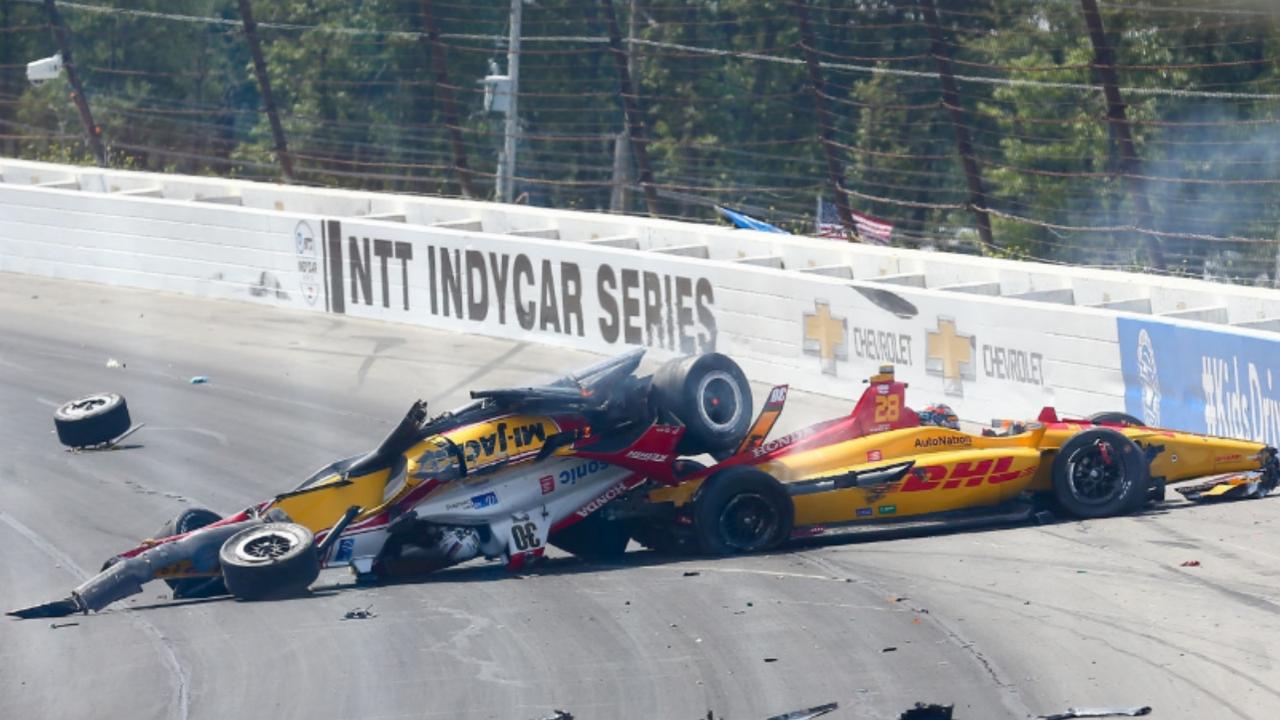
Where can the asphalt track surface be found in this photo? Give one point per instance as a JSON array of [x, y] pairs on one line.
[[1002, 622]]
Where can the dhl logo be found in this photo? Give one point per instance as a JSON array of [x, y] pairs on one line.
[[969, 474]]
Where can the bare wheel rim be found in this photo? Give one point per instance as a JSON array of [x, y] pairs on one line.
[[719, 400], [1095, 475], [84, 406], [267, 546], [748, 522]]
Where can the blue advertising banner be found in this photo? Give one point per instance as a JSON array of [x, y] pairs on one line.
[[1206, 381]]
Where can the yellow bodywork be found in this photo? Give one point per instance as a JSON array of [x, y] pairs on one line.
[[956, 470], [482, 445]]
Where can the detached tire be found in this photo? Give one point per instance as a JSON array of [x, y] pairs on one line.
[[1116, 418], [710, 395], [269, 560], [594, 538], [742, 510], [1099, 473], [181, 524], [92, 420]]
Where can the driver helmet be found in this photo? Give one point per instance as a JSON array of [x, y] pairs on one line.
[[941, 415]]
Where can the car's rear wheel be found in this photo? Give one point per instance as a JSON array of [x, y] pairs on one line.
[[269, 560], [92, 420], [710, 395], [742, 510], [594, 538], [1100, 472], [1111, 417], [182, 523]]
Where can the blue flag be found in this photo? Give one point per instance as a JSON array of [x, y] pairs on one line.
[[747, 222]]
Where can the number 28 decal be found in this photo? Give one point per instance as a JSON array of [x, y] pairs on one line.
[[525, 536], [888, 408]]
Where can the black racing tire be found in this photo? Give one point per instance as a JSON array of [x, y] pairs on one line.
[[1116, 418], [92, 420], [182, 523], [742, 510], [710, 395], [594, 538], [1099, 473], [270, 560]]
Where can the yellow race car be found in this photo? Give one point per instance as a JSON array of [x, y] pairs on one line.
[[881, 463]]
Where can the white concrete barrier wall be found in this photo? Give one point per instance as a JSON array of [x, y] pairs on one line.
[[985, 356]]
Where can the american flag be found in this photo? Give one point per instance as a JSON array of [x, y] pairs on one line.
[[870, 230]]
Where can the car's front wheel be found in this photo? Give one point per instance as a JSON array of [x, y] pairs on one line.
[[269, 560], [1099, 473]]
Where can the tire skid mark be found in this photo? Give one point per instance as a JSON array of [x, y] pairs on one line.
[[168, 652], [1084, 617], [1009, 691]]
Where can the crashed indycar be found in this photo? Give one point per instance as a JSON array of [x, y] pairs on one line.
[[500, 478], [882, 464]]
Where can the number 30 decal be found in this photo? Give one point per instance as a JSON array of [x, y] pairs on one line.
[[525, 536], [888, 408]]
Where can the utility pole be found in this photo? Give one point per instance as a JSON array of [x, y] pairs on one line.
[[621, 160], [631, 108], [91, 129], [264, 86], [835, 177], [1105, 63], [964, 145], [444, 90], [510, 136]]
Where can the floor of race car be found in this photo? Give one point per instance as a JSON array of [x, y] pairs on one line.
[[1004, 623]]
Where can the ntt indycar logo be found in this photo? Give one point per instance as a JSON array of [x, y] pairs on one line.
[[446, 281]]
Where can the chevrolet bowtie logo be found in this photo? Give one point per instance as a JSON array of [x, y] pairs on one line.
[[949, 355], [824, 336]]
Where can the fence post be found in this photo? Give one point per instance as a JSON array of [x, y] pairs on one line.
[[449, 105], [91, 129], [1105, 63], [964, 144], [631, 107], [835, 177], [264, 85]]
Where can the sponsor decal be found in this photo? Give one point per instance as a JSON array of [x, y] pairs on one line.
[[308, 257], [609, 495], [824, 337], [992, 471], [459, 505], [488, 499], [345, 548], [887, 509], [610, 302], [874, 455], [863, 512], [944, 441], [777, 395], [482, 450], [952, 356], [949, 355], [647, 456], [548, 484], [1236, 457], [781, 442], [882, 346], [574, 474], [1204, 381]]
